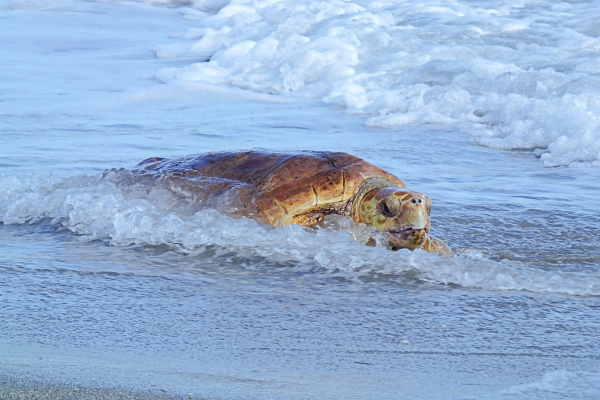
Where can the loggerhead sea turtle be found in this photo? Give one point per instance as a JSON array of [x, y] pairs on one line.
[[280, 189]]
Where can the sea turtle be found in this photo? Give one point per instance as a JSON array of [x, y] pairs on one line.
[[280, 189]]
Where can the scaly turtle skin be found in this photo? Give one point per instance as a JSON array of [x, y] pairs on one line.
[[280, 189]]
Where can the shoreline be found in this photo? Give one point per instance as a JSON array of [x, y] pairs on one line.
[[27, 386]]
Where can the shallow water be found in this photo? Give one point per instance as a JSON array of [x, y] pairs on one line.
[[99, 287]]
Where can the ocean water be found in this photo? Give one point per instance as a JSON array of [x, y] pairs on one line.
[[490, 108]]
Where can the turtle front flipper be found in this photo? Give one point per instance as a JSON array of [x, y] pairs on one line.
[[435, 245]]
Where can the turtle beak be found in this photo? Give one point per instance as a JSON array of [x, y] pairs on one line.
[[412, 225], [415, 214]]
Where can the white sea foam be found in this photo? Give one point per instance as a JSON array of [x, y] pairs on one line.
[[95, 209], [203, 6], [559, 384], [513, 74]]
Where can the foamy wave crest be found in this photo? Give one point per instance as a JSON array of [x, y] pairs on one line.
[[522, 76], [95, 209], [559, 384], [199, 8]]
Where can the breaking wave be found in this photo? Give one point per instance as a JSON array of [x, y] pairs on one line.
[[513, 75], [94, 209], [557, 385]]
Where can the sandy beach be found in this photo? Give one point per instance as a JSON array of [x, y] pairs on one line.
[[17, 386]]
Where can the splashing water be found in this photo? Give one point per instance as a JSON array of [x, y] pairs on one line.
[[96, 209], [517, 75]]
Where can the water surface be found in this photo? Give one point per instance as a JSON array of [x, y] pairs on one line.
[[99, 287]]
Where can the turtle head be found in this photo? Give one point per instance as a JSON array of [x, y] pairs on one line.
[[402, 214]]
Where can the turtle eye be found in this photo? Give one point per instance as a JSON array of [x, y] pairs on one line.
[[390, 206]]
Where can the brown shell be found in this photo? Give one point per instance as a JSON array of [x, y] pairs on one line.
[[275, 188]]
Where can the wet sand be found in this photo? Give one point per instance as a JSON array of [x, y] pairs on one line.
[[15, 386]]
